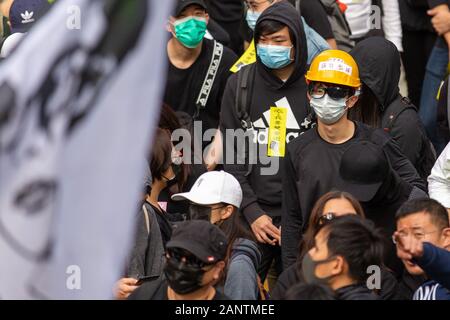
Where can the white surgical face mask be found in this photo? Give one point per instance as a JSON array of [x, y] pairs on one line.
[[329, 110]]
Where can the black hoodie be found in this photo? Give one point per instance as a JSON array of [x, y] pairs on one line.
[[262, 193], [379, 68]]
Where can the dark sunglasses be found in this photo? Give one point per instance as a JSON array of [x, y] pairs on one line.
[[191, 260], [318, 91]]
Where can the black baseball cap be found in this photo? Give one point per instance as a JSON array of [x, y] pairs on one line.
[[362, 170], [201, 238], [182, 4]]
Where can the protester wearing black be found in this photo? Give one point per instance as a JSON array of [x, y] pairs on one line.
[[261, 203], [382, 106], [366, 173], [311, 165], [304, 183], [195, 261], [418, 41], [228, 15], [344, 249], [293, 276], [186, 77]]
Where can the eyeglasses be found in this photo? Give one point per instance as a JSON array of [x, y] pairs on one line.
[[318, 90], [329, 216], [418, 235], [325, 218], [185, 256]]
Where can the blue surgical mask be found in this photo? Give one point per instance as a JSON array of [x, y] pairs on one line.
[[251, 18], [329, 110], [274, 57]]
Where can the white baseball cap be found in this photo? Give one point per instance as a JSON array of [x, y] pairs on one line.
[[213, 187]]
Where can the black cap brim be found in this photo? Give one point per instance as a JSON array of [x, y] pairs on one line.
[[197, 251], [181, 6], [362, 192]]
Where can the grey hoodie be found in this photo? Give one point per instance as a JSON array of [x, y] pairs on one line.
[[241, 282]]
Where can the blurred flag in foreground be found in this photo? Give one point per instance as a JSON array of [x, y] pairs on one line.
[[78, 101]]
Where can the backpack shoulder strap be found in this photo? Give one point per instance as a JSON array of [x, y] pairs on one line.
[[391, 116], [244, 91], [147, 218], [208, 82]]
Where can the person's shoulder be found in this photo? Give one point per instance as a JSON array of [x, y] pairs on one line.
[[303, 140], [375, 135], [220, 295], [154, 289]]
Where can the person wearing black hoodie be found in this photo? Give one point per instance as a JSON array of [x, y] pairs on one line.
[[311, 165], [277, 85], [382, 106]]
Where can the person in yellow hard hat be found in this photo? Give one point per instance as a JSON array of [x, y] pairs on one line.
[[312, 161], [333, 86]]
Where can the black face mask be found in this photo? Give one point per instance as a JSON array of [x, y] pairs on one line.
[[200, 212], [171, 182], [183, 278]]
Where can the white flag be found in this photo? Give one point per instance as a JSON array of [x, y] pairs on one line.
[[78, 101]]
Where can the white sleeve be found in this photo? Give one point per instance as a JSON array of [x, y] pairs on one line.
[[439, 180], [391, 23]]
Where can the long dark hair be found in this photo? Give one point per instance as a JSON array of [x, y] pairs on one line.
[[317, 211], [169, 121], [367, 110], [234, 228]]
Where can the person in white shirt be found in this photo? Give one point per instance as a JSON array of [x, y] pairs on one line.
[[439, 180]]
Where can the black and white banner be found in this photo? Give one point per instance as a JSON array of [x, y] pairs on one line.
[[78, 102]]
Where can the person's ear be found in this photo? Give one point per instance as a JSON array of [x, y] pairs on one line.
[[352, 101], [445, 236], [293, 53], [218, 268], [207, 18], [338, 266], [226, 212], [169, 25], [308, 95]]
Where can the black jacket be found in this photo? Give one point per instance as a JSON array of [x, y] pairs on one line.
[[356, 292], [291, 276], [311, 169], [262, 193], [379, 68]]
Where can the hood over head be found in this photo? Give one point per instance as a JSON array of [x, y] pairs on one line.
[[285, 13], [379, 68]]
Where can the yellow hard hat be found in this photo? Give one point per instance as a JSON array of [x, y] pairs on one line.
[[334, 66]]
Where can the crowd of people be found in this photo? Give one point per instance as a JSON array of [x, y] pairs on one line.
[[316, 179]]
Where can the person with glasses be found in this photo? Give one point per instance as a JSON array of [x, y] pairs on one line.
[[330, 206], [311, 164], [216, 197], [423, 243], [195, 261]]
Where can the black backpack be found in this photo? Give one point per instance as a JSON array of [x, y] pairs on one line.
[[427, 154]]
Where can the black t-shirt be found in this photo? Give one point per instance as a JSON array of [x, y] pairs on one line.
[[183, 85], [164, 224], [316, 17]]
